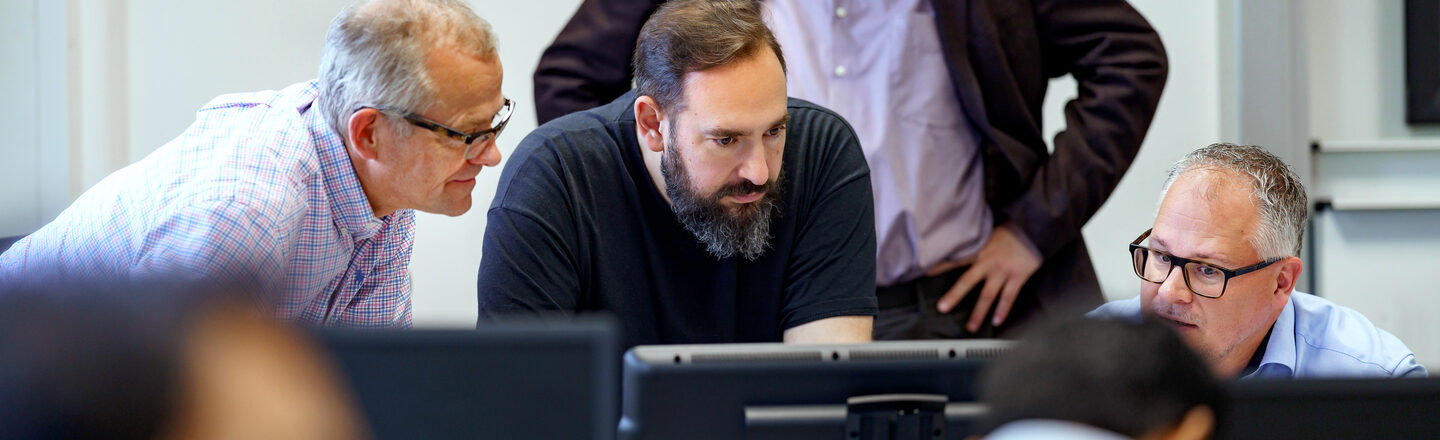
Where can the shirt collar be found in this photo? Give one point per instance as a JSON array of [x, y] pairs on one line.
[[1279, 359], [348, 203], [1045, 428]]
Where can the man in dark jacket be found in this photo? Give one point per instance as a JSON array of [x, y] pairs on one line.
[[974, 212]]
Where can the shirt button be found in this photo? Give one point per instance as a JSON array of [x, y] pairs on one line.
[[839, 70], [840, 12]]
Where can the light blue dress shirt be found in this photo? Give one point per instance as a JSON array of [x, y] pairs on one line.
[[1050, 429], [1314, 338]]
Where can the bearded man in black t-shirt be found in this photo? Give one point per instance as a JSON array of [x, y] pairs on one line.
[[704, 206]]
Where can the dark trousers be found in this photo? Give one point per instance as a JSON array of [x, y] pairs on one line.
[[907, 311]]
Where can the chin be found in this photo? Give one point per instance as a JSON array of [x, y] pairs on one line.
[[452, 209], [457, 211]]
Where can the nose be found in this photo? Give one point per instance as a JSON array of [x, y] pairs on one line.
[[1174, 290], [753, 166], [489, 155]]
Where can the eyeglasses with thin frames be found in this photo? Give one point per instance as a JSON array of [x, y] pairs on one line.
[[470, 140], [1202, 278]]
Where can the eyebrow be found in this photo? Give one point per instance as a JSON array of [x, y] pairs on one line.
[[1201, 257], [730, 132]]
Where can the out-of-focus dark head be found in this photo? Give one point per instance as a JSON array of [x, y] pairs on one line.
[[126, 359], [87, 360], [1138, 380]]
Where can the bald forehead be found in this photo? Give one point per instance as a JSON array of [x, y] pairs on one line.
[[1208, 214], [1217, 186]]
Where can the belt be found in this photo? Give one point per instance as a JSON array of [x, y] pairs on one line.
[[910, 292]]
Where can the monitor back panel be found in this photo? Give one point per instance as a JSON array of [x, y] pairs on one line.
[[525, 381], [1332, 409], [702, 392]]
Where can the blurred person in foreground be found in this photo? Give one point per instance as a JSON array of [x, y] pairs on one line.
[[1100, 379], [308, 192], [156, 360], [1220, 267]]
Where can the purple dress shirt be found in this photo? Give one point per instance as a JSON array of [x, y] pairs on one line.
[[879, 64]]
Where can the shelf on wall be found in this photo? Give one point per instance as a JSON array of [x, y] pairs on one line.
[[1401, 174]]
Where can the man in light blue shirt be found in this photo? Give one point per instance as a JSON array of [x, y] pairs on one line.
[[1231, 220]]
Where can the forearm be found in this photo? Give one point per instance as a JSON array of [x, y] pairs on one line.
[[836, 330]]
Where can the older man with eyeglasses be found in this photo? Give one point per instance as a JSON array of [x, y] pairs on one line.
[[1220, 266], [304, 193]]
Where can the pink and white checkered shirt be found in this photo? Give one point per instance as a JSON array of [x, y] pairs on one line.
[[260, 188]]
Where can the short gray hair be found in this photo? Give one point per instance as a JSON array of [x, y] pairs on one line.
[[375, 54], [1275, 188]]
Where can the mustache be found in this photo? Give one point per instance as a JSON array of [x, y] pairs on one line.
[[1167, 310], [742, 187]]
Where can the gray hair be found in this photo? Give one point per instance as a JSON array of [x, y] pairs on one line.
[[1275, 188], [375, 55]]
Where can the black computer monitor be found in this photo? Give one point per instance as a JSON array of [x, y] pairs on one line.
[[516, 380], [911, 389], [1332, 409]]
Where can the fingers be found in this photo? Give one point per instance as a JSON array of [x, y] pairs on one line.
[[983, 303], [1007, 300], [949, 265], [959, 290], [943, 267]]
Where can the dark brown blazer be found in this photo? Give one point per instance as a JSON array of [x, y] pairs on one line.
[[1002, 55]]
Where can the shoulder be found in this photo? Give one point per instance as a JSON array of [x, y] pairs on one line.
[[813, 122], [256, 149], [821, 149], [1342, 341], [582, 148], [583, 135], [257, 124], [1125, 309]]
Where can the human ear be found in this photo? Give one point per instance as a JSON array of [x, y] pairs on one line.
[[364, 133], [1287, 276], [648, 120]]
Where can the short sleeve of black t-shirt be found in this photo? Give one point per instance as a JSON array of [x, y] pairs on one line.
[[577, 226]]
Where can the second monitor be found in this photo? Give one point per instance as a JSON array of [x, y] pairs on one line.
[[909, 389]]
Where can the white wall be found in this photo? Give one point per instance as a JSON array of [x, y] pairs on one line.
[[34, 88], [1357, 71], [18, 82], [1188, 118], [1374, 250]]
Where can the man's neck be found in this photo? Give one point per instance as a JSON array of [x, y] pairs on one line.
[[363, 175], [1242, 355], [1259, 356]]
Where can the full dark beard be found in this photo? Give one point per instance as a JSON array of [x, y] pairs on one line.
[[726, 232]]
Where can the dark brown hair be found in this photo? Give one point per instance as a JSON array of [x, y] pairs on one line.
[[686, 36]]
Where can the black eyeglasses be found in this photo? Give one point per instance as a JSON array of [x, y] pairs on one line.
[[469, 139], [1203, 279]]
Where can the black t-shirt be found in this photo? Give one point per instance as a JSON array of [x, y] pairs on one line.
[[577, 225]]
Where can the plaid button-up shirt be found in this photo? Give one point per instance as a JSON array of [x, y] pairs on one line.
[[258, 188]]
